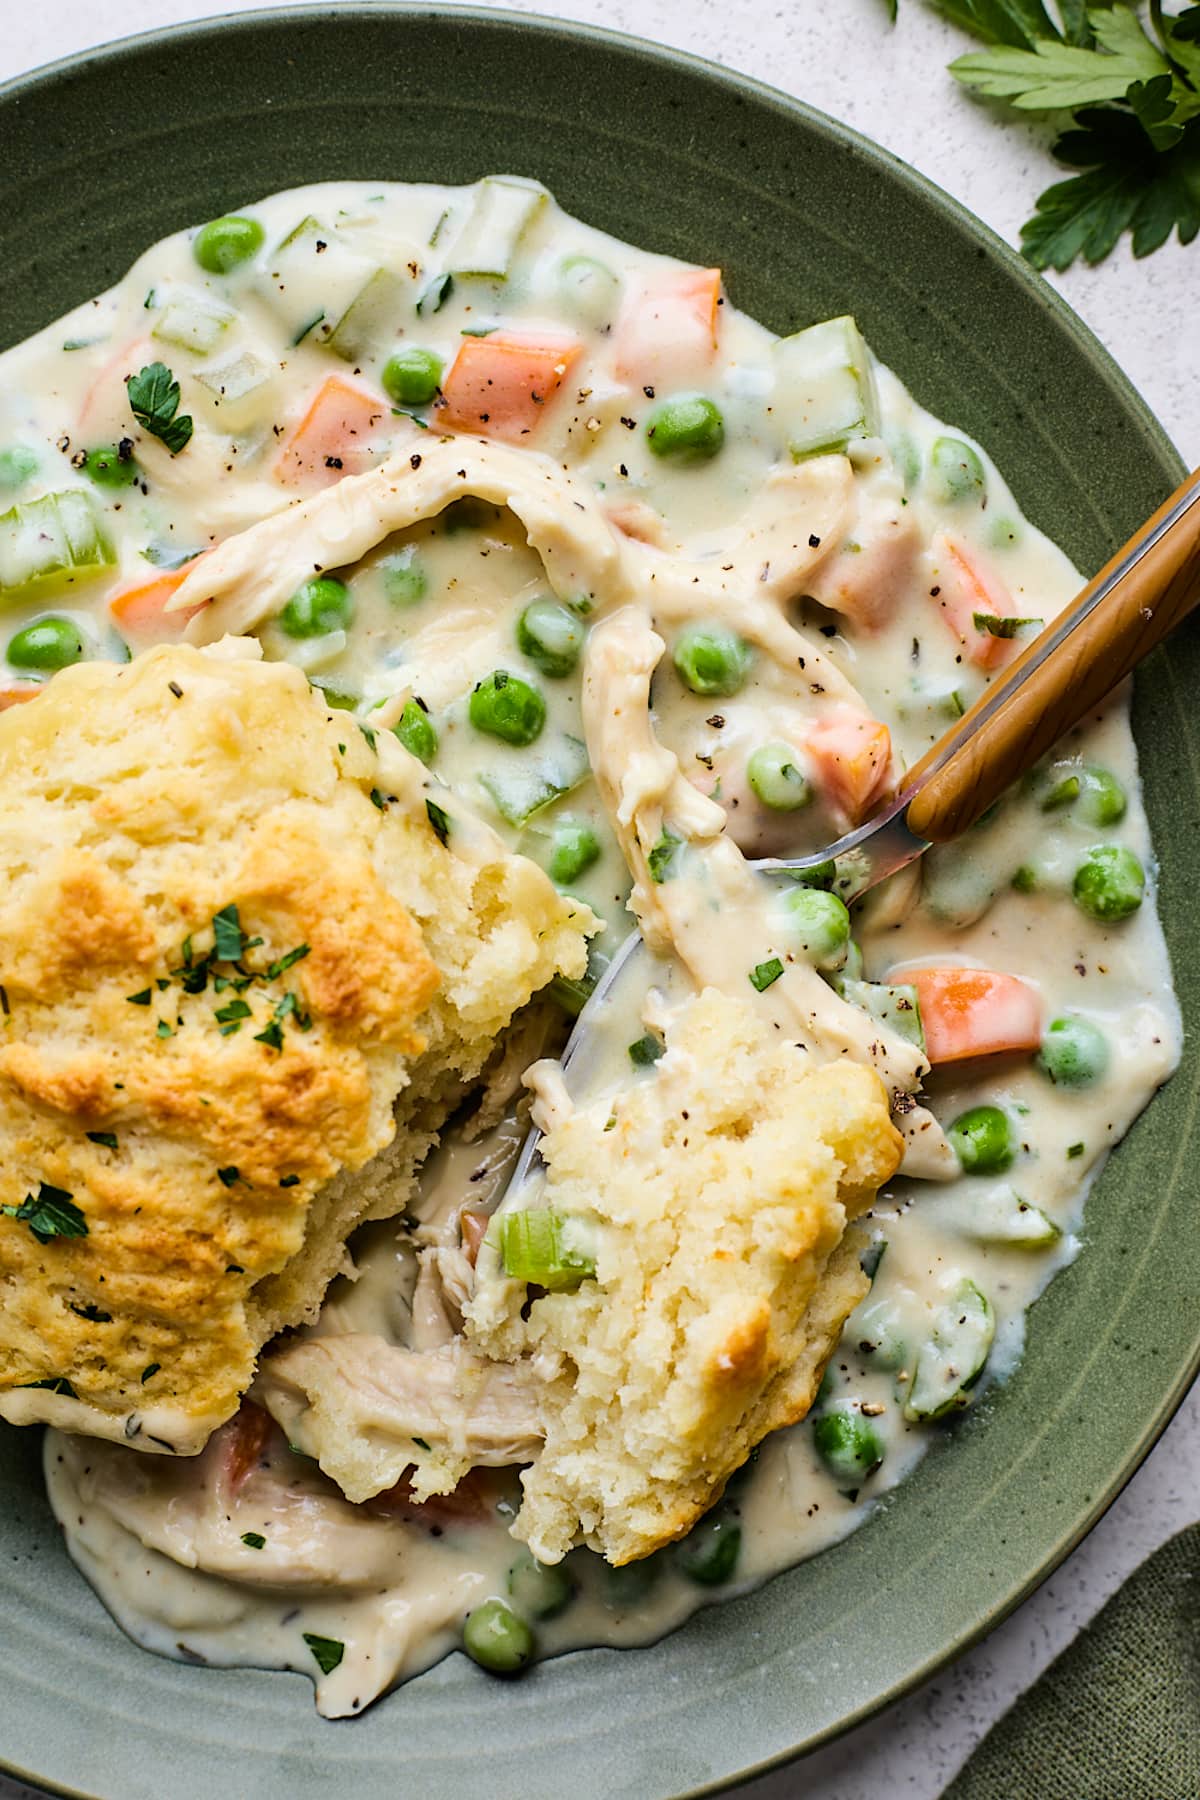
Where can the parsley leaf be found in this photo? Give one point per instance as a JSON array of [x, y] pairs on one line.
[[283, 963], [52, 1214], [1127, 186], [661, 860], [95, 1315], [57, 1384], [439, 820], [150, 1370], [107, 1138], [228, 941], [764, 973], [229, 1176], [1054, 76], [1020, 23], [154, 403], [327, 1652], [645, 1051], [254, 1540], [272, 1037]]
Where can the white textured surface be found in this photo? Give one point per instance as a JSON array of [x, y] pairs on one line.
[[841, 55]]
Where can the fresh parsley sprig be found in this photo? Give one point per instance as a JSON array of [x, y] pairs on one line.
[[1130, 79], [154, 403]]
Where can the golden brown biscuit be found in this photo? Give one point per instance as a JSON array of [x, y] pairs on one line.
[[242, 977], [717, 1195]]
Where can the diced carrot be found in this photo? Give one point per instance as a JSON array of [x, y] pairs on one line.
[[975, 1012], [851, 753], [243, 1443], [17, 692], [334, 436], [499, 385], [140, 613], [473, 1226], [669, 332], [963, 586]]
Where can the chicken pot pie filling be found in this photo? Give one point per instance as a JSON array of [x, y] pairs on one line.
[[602, 585]]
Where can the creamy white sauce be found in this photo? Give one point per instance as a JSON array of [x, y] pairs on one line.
[[174, 1548]]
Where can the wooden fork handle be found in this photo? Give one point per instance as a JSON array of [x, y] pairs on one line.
[[1071, 667]]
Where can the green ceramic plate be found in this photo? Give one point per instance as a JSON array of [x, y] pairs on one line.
[[105, 154]]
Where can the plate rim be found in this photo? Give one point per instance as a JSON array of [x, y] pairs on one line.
[[1039, 290]]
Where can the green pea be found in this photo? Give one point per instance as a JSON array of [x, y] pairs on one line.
[[848, 1446], [223, 244], [507, 708], [46, 644], [111, 465], [629, 1585], [574, 847], [1102, 799], [405, 580], [955, 472], [819, 875], [981, 1138], [340, 699], [411, 377], [818, 924], [589, 289], [775, 779], [322, 604], [497, 1639], [1109, 884], [17, 464], [550, 636], [709, 1554], [1074, 1052], [540, 1590], [416, 732], [711, 660], [687, 430]]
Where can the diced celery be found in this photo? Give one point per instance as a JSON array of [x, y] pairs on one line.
[[876, 1330], [824, 393], [951, 1359], [1001, 1217], [553, 1250], [239, 393], [367, 317], [519, 789], [315, 271], [193, 321], [502, 213], [894, 1007], [50, 543]]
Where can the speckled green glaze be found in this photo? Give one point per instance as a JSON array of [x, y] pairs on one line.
[[105, 154]]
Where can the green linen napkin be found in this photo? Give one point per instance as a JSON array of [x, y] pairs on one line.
[[1117, 1716]]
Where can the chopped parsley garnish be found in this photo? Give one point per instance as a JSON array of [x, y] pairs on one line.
[[1074, 1150], [55, 1384], [107, 1138], [228, 1176], [231, 1015], [283, 963], [420, 1443], [327, 1652], [254, 1540], [142, 999], [228, 941], [764, 973], [368, 734], [272, 1037], [661, 860], [52, 1214], [378, 800], [154, 403], [149, 1370], [645, 1051], [438, 819], [90, 1311], [289, 1181], [164, 1030]]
